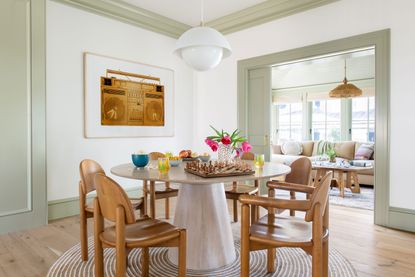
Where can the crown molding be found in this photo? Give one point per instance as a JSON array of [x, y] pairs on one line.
[[249, 17], [264, 12], [131, 14]]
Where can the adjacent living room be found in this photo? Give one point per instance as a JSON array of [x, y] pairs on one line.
[[333, 123]]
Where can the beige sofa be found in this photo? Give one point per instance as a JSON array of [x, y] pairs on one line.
[[344, 150]]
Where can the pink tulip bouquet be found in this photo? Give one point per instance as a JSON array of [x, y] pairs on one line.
[[233, 141]]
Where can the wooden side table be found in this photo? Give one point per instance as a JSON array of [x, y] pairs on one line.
[[352, 181]]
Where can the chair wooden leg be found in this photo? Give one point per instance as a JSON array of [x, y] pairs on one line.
[[145, 262], [84, 236], [317, 249], [142, 211], [292, 197], [182, 253], [317, 261], [167, 208], [99, 251], [145, 196], [120, 262], [235, 210], [152, 199], [326, 258], [271, 260], [245, 241], [99, 259]]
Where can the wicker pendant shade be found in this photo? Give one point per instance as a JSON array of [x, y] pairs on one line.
[[345, 90]]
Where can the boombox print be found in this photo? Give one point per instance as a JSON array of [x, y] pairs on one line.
[[131, 99]]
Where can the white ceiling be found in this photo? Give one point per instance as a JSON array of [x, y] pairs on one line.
[[188, 11], [360, 65]]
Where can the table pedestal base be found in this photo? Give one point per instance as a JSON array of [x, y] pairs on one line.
[[203, 211]]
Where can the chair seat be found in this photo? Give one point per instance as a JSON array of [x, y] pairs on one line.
[[240, 189], [135, 202], [285, 230], [144, 232]]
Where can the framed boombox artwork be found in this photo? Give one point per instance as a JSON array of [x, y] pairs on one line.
[[127, 99]]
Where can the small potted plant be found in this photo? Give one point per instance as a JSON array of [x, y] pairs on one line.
[[331, 153]]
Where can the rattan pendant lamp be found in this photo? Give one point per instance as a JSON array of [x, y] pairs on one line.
[[345, 90]]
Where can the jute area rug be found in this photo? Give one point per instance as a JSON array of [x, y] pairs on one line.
[[291, 262]]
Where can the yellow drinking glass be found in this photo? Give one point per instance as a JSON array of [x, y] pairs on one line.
[[259, 160], [163, 165]]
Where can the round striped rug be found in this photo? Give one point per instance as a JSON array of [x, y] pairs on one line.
[[291, 262]]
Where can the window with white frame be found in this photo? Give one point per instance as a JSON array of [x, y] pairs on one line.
[[363, 119], [315, 116], [290, 121], [326, 120]]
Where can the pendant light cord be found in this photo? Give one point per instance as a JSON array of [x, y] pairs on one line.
[[201, 13], [344, 68], [345, 76]]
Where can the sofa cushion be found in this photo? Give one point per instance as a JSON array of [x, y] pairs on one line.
[[358, 144], [307, 148], [291, 148], [320, 147], [345, 149], [276, 149], [364, 152]]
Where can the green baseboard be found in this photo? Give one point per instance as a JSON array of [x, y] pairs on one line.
[[402, 219], [70, 206]]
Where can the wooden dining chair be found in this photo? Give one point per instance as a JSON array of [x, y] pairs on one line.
[[112, 204], [165, 191], [88, 169], [310, 233], [300, 174], [235, 190]]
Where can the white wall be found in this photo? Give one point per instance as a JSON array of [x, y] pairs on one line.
[[216, 94], [70, 32]]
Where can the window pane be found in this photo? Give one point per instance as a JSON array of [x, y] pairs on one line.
[[283, 113], [290, 119], [319, 111], [296, 132], [283, 134], [326, 120], [372, 108], [359, 108], [372, 131], [318, 131], [363, 119], [359, 131], [297, 113]]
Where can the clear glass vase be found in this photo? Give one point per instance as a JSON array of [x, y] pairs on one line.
[[225, 153]]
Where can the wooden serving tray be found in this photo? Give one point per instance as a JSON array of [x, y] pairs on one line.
[[215, 175]]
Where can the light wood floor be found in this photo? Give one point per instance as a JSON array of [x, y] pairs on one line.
[[373, 250]]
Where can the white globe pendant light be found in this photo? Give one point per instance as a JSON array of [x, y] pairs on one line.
[[202, 48]]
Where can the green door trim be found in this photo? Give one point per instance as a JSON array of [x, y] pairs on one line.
[[36, 215], [381, 41]]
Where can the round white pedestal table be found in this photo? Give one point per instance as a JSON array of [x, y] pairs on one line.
[[202, 210]]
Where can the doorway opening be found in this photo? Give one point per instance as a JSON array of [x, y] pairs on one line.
[[306, 121], [255, 90]]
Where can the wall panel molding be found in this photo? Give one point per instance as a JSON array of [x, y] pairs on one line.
[[35, 214]]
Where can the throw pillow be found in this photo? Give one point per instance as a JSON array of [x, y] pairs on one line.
[[364, 152], [291, 148]]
